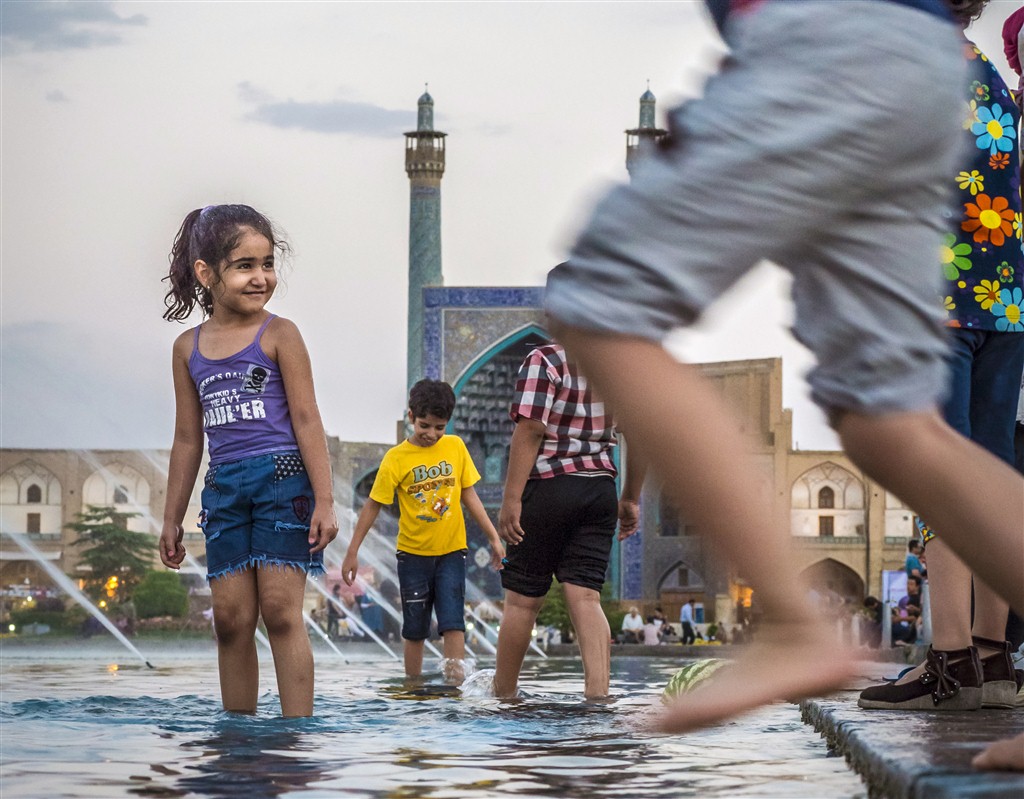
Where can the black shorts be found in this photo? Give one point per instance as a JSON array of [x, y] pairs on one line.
[[568, 523]]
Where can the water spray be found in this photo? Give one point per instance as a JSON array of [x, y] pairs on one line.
[[72, 590]]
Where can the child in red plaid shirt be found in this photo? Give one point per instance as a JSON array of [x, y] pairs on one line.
[[559, 513]]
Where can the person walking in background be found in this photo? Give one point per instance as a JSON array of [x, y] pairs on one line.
[[433, 475], [243, 376], [856, 178], [686, 622], [558, 513], [984, 293]]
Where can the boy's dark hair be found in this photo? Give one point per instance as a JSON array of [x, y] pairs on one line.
[[913, 544], [208, 234], [431, 398]]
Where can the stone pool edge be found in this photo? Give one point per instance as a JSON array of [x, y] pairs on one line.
[[916, 755]]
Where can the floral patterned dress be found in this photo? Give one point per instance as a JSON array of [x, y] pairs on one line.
[[982, 258]]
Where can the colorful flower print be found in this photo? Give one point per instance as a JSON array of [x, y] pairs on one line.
[[1005, 272], [994, 129], [972, 115], [953, 257], [987, 293], [1008, 310], [990, 219], [999, 161], [948, 303], [972, 180], [1017, 225], [979, 90]]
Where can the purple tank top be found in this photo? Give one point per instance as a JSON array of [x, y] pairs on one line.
[[245, 410]]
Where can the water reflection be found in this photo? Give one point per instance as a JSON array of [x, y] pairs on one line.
[[73, 729]]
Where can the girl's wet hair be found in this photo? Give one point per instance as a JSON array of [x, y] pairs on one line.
[[208, 234], [966, 11]]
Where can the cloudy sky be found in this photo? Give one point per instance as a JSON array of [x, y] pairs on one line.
[[118, 118]]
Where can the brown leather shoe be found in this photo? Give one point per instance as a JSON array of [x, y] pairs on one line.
[[1000, 686], [952, 680]]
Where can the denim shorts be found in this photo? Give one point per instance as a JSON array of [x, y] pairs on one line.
[[256, 512], [435, 582]]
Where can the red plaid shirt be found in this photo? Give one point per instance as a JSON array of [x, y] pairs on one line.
[[580, 435]]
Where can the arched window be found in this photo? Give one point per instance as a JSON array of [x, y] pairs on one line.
[[826, 498], [120, 495], [826, 526], [34, 494]]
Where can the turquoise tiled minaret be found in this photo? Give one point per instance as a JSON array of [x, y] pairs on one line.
[[424, 164], [641, 140]]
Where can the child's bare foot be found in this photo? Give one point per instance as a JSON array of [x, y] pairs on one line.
[[1004, 755], [788, 661]]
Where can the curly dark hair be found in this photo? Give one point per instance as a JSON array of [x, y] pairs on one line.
[[431, 398], [208, 234], [966, 11]]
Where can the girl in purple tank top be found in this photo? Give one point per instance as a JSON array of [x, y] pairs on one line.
[[243, 378]]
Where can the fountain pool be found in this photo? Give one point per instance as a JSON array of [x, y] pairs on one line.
[[80, 721]]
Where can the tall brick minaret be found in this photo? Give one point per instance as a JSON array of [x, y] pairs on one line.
[[424, 164]]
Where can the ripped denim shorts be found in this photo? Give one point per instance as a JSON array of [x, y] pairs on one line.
[[256, 513]]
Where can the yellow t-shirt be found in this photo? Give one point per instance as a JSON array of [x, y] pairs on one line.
[[429, 483]]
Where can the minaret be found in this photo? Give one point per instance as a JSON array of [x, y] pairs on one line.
[[642, 140], [424, 164]]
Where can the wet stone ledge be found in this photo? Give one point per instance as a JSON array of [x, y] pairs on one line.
[[917, 754]]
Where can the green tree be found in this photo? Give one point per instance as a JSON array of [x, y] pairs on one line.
[[161, 594], [118, 557], [555, 612]]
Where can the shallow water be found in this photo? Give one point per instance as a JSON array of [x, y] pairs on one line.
[[77, 723]]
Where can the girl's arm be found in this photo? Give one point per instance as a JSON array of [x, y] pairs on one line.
[[367, 516], [297, 374], [476, 509], [526, 442], [186, 454]]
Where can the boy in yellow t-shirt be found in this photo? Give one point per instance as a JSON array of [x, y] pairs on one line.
[[433, 476]]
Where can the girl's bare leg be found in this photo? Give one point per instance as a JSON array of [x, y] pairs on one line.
[[235, 613], [281, 592], [923, 461], [679, 423]]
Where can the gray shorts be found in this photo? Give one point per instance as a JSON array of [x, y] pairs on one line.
[[826, 144]]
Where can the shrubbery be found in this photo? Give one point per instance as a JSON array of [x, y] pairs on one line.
[[160, 594]]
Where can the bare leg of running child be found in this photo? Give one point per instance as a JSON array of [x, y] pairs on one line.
[[692, 443]]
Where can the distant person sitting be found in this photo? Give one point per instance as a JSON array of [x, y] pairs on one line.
[[913, 565], [652, 632], [904, 626], [632, 627], [913, 597], [872, 626], [686, 622]]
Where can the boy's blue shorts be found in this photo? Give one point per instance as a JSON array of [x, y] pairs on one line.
[[256, 512], [432, 581]]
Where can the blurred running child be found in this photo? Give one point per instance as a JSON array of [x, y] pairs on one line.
[[243, 376]]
